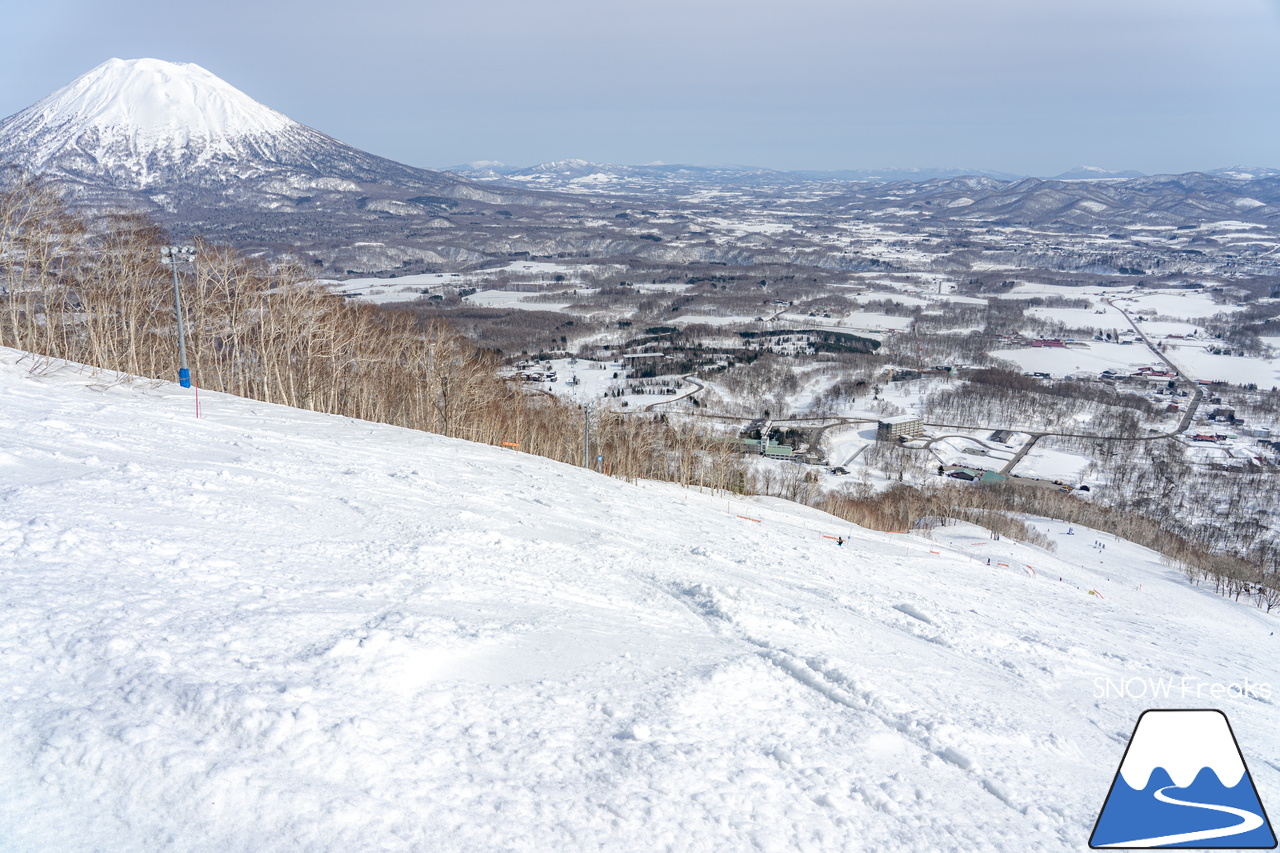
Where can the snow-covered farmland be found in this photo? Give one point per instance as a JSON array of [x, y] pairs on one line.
[[1188, 305], [712, 319], [1238, 370], [1156, 329], [856, 321], [1098, 357], [1082, 318], [406, 288], [513, 299]]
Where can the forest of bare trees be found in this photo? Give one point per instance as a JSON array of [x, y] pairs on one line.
[[1009, 399], [94, 292]]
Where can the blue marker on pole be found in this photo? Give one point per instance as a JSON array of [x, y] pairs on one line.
[[174, 255]]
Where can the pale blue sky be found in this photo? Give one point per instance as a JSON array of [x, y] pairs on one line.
[[1030, 86]]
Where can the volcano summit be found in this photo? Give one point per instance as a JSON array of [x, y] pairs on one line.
[[145, 123]]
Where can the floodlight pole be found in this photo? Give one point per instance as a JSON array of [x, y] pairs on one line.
[[174, 255], [586, 436]]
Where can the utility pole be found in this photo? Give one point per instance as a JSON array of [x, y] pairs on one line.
[[172, 256]]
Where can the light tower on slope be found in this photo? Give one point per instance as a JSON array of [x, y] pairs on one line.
[[172, 256]]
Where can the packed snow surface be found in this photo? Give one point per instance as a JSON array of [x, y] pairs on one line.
[[273, 630]]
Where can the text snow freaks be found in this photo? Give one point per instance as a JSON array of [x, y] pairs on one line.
[[1184, 687]]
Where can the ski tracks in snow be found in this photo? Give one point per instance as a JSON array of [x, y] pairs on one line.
[[909, 733]]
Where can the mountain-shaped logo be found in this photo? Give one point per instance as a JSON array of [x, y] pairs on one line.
[[1183, 783]]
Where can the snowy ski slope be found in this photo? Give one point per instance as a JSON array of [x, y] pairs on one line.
[[269, 629]]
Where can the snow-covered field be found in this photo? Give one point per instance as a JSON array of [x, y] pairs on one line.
[[1156, 329], [712, 320], [580, 379], [1197, 362], [952, 448], [1187, 305], [382, 291], [1046, 463], [860, 321], [1098, 357], [844, 444], [513, 299], [274, 630], [1083, 318], [1028, 289], [407, 288]]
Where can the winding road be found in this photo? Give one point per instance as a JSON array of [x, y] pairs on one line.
[[1183, 425]]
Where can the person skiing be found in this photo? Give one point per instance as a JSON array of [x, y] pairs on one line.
[[839, 540]]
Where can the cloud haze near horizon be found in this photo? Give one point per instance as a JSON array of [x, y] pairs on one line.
[[1008, 85]]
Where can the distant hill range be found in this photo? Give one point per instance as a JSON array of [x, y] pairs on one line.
[[1083, 196], [585, 176], [1159, 200], [175, 141], [1095, 173]]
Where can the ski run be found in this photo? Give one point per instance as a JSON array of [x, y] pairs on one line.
[[267, 629]]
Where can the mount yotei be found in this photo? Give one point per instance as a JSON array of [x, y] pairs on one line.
[[150, 126], [175, 141]]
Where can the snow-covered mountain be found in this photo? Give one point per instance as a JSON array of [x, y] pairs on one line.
[[917, 175], [1096, 173], [174, 141], [151, 125], [269, 629], [661, 179], [1244, 173], [576, 175], [146, 120], [1155, 200]]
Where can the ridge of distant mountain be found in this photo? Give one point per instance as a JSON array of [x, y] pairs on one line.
[[1244, 173], [1095, 173], [1166, 200], [577, 174], [900, 174]]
